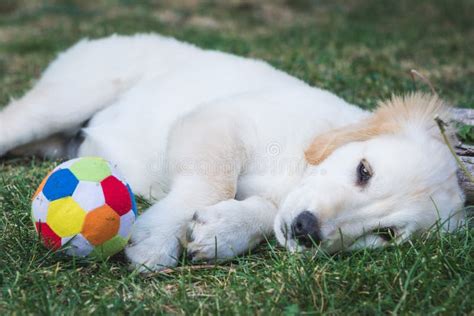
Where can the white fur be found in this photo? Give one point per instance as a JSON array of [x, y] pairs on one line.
[[218, 140]]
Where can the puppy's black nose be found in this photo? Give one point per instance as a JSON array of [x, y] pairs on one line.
[[305, 229]]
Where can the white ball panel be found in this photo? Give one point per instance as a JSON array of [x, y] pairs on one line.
[[39, 208], [66, 164], [79, 246], [126, 223], [89, 195]]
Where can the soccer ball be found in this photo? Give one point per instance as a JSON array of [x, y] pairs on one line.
[[85, 206]]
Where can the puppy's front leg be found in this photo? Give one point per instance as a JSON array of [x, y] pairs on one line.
[[155, 242], [205, 158], [229, 228]]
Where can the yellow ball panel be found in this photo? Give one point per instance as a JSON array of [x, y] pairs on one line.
[[65, 217]]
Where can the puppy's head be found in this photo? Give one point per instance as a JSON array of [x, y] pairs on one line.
[[383, 179]]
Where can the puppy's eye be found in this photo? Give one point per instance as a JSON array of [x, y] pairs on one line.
[[364, 172]]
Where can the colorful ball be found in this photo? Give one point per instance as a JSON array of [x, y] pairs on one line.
[[85, 206]]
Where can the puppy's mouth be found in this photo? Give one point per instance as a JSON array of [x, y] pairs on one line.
[[388, 234], [332, 245], [289, 242], [295, 242]]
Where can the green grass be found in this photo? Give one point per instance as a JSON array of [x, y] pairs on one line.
[[361, 50]]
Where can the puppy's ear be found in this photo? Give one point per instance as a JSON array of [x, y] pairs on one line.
[[409, 111], [325, 144]]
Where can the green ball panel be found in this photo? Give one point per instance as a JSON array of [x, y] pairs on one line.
[[110, 247], [91, 169]]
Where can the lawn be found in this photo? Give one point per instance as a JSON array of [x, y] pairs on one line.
[[361, 50]]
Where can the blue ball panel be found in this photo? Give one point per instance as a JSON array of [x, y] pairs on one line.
[[60, 184], [134, 203]]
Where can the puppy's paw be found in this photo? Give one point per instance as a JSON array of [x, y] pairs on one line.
[[217, 233], [152, 248], [152, 254]]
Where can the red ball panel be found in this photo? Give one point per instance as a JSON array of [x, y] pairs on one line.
[[116, 195], [48, 236]]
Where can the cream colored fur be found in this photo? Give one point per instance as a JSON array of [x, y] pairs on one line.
[[231, 150]]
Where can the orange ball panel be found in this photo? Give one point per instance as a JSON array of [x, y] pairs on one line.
[[101, 225], [41, 186]]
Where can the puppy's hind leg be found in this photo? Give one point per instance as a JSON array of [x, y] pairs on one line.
[[49, 108], [78, 84]]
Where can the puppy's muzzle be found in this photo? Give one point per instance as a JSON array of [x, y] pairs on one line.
[[305, 229]]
